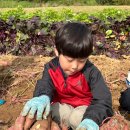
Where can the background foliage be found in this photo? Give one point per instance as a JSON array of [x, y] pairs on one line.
[[40, 3], [33, 33]]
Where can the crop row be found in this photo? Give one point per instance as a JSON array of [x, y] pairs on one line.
[[33, 34]]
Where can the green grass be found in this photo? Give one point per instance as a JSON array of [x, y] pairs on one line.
[[15, 3], [27, 4], [89, 9], [70, 2], [53, 3]]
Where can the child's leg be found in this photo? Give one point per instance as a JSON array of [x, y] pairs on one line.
[[61, 114], [76, 116]]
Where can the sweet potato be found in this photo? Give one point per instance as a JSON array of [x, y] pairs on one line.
[[4, 63], [42, 124], [28, 123]]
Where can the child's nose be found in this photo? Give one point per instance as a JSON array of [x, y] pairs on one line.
[[74, 65]]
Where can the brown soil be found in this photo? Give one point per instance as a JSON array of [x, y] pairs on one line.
[[18, 79]]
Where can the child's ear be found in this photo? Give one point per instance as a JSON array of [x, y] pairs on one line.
[[56, 52]]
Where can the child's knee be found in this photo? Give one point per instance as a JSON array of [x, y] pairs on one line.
[[76, 116], [73, 122]]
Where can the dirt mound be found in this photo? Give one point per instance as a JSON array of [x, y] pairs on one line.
[[18, 79]]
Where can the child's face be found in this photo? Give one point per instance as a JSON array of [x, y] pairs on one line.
[[70, 65]]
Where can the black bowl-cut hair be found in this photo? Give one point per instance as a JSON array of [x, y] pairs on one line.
[[74, 40]]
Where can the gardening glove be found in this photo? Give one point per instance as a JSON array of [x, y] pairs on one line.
[[87, 124], [37, 105]]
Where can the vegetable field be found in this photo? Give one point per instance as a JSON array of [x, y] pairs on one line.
[[33, 33]]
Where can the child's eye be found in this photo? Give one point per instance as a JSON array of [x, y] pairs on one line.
[[70, 60], [83, 60]]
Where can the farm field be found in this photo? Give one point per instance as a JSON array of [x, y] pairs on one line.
[[90, 9], [31, 39], [19, 77]]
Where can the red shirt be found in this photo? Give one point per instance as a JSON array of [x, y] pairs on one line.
[[73, 90]]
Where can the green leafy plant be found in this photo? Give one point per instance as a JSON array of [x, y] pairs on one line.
[[33, 33]]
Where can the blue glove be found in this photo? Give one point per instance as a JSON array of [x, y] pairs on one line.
[[88, 124], [37, 105], [2, 101]]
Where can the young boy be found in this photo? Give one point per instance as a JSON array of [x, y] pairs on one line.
[[71, 87]]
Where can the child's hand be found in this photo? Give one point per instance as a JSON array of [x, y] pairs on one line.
[[37, 105], [87, 124]]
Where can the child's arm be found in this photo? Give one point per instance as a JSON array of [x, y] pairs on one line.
[[40, 103], [101, 106], [42, 97], [44, 86]]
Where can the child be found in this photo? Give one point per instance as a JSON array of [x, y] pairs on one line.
[[71, 87]]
